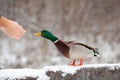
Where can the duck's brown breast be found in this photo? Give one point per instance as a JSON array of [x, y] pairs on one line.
[[62, 48]]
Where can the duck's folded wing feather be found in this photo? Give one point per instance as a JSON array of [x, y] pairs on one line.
[[82, 44], [70, 43]]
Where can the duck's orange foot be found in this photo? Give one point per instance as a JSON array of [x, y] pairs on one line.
[[81, 62], [73, 63]]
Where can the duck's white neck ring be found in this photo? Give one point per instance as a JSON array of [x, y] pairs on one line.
[[56, 41]]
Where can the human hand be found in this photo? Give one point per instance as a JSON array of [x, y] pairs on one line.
[[12, 29]]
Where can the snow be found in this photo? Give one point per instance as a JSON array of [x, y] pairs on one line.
[[72, 69], [40, 74], [22, 73], [63, 68]]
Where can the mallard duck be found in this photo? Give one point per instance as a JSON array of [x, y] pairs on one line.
[[71, 49]]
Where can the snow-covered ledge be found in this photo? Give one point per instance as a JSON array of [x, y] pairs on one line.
[[64, 72]]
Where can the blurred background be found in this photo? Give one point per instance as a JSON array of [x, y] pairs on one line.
[[94, 22]]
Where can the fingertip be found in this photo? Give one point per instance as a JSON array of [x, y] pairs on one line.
[[24, 31]]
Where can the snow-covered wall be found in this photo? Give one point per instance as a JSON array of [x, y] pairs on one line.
[[94, 22], [64, 72]]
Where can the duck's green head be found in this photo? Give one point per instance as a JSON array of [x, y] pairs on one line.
[[46, 34]]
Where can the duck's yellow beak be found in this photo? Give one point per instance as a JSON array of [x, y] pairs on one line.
[[37, 34]]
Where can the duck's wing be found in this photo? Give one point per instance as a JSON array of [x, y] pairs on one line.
[[70, 43], [73, 43], [82, 44]]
